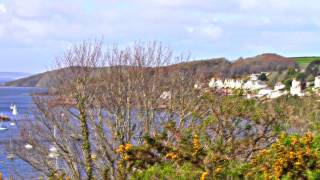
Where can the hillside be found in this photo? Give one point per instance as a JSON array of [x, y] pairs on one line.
[[202, 68], [305, 61], [11, 76]]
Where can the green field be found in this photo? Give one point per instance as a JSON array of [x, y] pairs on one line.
[[305, 61]]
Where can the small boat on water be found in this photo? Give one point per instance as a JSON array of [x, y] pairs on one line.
[[14, 109], [10, 155], [28, 146], [4, 118], [11, 106], [3, 128]]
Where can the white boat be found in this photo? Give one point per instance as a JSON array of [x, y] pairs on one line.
[[12, 124], [11, 106], [53, 149], [14, 110], [3, 128], [10, 155], [28, 146]]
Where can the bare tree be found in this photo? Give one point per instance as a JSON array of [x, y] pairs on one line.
[[98, 101]]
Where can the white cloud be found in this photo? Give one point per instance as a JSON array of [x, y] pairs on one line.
[[187, 25], [214, 32], [248, 4], [3, 9]]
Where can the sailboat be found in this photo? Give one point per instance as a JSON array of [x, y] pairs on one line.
[[11, 106], [14, 110]]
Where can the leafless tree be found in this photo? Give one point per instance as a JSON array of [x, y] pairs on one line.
[[99, 100]]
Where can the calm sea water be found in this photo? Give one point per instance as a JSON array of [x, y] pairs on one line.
[[20, 96]]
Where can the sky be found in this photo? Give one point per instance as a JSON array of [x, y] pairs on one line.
[[34, 32]]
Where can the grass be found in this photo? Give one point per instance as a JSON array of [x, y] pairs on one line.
[[305, 61]]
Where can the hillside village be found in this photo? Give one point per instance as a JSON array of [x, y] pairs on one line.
[[254, 87]]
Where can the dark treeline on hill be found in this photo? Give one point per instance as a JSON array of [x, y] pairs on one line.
[[204, 69], [313, 68]]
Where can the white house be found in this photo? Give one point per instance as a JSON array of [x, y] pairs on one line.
[[316, 82], [166, 95], [279, 86], [254, 77], [197, 85], [276, 94], [212, 83], [296, 88], [264, 92], [254, 85]]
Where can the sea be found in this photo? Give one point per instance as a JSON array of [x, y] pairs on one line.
[[21, 97]]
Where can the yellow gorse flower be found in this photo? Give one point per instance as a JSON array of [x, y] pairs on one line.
[[291, 155], [294, 140], [124, 148], [128, 147], [126, 157], [204, 175], [171, 155], [121, 149], [218, 170], [196, 144]]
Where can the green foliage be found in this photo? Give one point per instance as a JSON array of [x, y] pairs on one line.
[[305, 61], [287, 83], [169, 171], [291, 72], [263, 77], [214, 145], [310, 78], [300, 76]]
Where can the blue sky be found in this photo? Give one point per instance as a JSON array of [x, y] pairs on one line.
[[34, 32]]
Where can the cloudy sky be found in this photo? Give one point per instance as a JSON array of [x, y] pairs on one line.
[[34, 32]]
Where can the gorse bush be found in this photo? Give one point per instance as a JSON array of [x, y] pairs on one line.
[[291, 157]]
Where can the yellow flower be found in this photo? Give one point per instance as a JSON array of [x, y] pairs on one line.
[[282, 136], [308, 138], [264, 152], [218, 170], [126, 157], [297, 163], [196, 144], [308, 151], [93, 156], [294, 140], [128, 147], [254, 161], [204, 175], [171, 155], [121, 149], [124, 148], [291, 154]]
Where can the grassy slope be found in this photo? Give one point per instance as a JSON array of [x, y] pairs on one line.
[[304, 61]]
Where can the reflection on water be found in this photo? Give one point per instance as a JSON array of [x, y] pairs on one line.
[[21, 97]]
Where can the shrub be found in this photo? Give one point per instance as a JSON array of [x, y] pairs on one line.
[[169, 171], [291, 157], [263, 77]]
